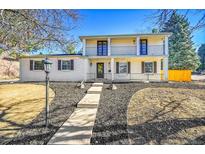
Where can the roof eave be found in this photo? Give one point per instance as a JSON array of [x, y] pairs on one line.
[[124, 35]]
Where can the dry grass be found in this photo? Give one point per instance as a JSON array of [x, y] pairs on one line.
[[167, 115], [19, 105]]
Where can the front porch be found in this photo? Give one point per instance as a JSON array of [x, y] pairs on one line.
[[127, 69]]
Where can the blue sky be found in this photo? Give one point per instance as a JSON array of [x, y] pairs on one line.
[[97, 22]]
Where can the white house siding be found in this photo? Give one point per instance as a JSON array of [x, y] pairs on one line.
[[55, 75], [93, 69], [136, 71]]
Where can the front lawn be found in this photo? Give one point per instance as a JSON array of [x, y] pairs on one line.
[[67, 95], [167, 116], [111, 120], [19, 105]]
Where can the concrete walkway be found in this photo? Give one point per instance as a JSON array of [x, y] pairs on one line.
[[78, 128]]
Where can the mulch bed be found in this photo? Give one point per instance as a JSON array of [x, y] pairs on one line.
[[66, 98], [111, 120]]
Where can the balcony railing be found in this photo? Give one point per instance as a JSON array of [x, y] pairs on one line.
[[129, 77], [154, 50], [123, 50]]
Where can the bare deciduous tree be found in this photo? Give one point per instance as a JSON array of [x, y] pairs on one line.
[[31, 30]]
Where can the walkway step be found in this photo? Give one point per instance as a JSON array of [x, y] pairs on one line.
[[94, 90], [89, 101], [100, 84], [77, 129]]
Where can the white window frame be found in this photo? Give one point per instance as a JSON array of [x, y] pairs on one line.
[[126, 67], [152, 68], [69, 69], [34, 65]]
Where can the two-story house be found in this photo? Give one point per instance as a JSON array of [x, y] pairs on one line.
[[129, 57]]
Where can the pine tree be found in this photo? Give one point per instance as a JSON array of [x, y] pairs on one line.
[[201, 53], [182, 54]]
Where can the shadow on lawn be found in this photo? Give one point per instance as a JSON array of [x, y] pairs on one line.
[[110, 134], [158, 131]]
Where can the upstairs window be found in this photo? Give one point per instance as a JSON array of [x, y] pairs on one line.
[[143, 47], [102, 48]]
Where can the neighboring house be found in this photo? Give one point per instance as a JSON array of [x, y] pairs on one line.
[[113, 57]]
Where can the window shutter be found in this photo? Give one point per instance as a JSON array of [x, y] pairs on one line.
[[59, 64], [31, 65], [72, 64], [155, 67], [43, 65], [161, 64], [128, 67], [142, 67], [117, 67]]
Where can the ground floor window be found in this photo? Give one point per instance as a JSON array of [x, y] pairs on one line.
[[123, 67], [66, 65], [148, 67], [38, 65]]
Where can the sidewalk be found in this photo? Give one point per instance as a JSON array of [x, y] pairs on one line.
[[78, 128]]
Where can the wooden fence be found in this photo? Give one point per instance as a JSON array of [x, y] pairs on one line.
[[179, 75]]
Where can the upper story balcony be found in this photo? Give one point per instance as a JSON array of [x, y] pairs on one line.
[[152, 50], [130, 46]]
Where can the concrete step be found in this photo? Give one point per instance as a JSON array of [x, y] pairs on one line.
[[89, 101], [99, 84], [94, 90], [77, 129]]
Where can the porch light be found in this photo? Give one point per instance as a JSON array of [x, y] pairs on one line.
[[47, 67]]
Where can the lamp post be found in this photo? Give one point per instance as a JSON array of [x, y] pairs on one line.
[[47, 67]]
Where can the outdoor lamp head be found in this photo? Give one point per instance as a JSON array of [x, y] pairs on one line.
[[47, 65]]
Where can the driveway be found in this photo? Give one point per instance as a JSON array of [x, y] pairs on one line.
[[198, 77]]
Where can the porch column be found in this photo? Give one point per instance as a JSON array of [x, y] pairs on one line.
[[138, 45], [165, 68], [86, 70], [108, 46], [84, 46], [112, 68], [166, 52]]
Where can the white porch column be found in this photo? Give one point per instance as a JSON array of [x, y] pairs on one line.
[[109, 48], [86, 70], [166, 46], [165, 68], [112, 68], [138, 45], [84, 46]]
